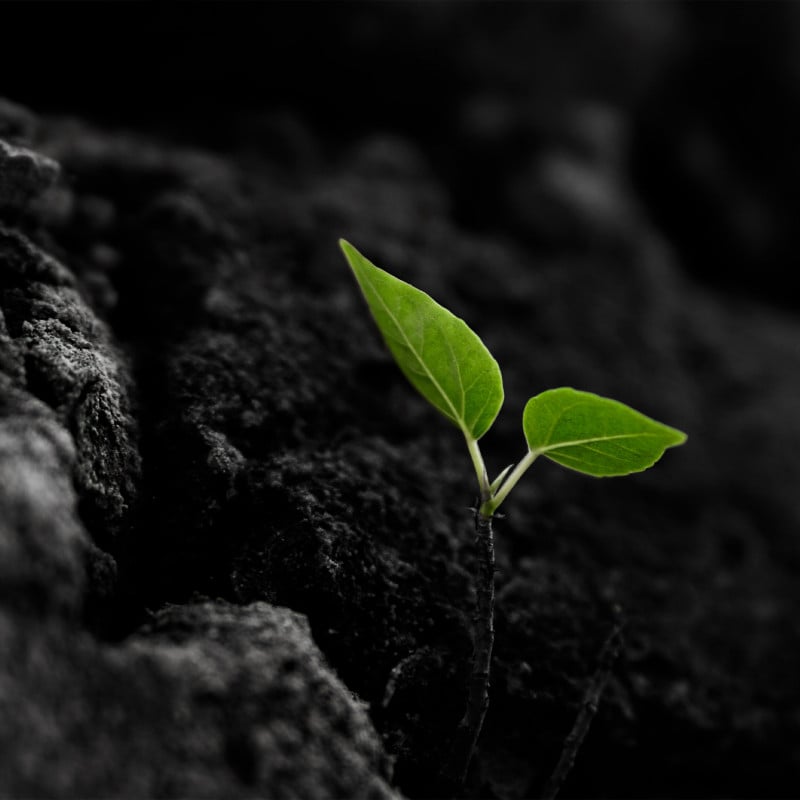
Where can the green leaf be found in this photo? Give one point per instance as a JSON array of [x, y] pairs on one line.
[[593, 434], [498, 481], [446, 361]]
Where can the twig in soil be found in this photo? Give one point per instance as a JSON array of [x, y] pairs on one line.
[[398, 670], [469, 729], [591, 700]]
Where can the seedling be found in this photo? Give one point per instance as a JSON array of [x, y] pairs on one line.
[[452, 369]]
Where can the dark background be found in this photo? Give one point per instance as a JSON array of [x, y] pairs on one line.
[[707, 94]]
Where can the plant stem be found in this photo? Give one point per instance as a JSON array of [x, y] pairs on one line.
[[469, 729], [480, 467], [491, 504]]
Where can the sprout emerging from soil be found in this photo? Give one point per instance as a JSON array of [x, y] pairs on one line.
[[453, 370]]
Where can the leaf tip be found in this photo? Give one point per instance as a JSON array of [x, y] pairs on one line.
[[679, 438], [357, 263]]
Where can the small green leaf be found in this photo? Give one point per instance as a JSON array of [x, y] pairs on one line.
[[445, 360], [498, 481], [594, 435]]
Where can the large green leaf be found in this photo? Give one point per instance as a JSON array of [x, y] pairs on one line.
[[446, 361], [593, 434]]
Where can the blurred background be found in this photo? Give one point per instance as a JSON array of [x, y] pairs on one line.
[[699, 101]]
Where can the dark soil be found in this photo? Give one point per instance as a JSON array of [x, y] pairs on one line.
[[236, 547]]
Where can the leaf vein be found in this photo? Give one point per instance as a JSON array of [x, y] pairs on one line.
[[413, 350], [594, 439]]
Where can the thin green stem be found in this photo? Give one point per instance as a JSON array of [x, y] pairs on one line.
[[493, 503], [480, 468], [469, 729]]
